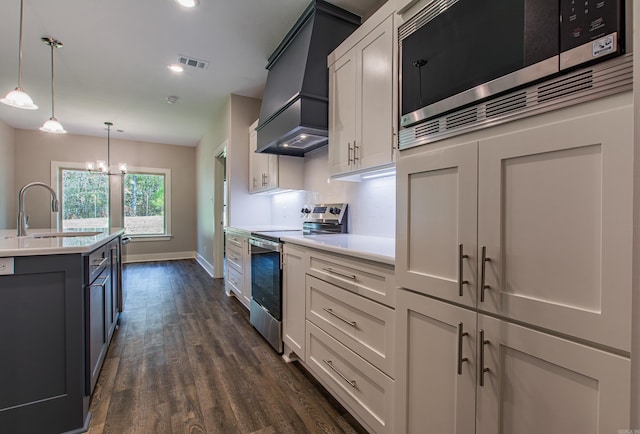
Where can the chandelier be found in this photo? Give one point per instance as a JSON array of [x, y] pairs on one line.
[[102, 166]]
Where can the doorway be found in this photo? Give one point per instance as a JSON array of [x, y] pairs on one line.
[[220, 208]]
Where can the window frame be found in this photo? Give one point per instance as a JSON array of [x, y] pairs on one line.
[[167, 202], [116, 187]]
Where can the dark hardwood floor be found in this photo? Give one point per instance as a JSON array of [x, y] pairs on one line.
[[186, 360]]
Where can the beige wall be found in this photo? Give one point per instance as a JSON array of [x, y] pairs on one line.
[[8, 192], [205, 174], [35, 151]]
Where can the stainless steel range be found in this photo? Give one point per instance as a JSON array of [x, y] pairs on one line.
[[266, 266]]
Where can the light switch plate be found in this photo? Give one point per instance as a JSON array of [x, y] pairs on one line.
[[6, 266]]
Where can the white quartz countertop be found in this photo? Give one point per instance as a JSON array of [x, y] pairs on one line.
[[10, 245], [377, 249], [260, 228]]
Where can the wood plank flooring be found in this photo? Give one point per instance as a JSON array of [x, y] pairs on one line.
[[186, 360]]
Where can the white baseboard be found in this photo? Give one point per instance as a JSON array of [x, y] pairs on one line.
[[204, 264], [150, 257]]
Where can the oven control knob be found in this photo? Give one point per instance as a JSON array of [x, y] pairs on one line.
[[305, 210], [335, 211]]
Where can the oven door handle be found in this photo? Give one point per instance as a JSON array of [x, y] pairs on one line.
[[267, 245]]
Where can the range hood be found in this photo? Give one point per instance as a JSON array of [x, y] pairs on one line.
[[294, 112]]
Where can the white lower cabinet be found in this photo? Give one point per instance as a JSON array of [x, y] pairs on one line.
[[365, 390], [436, 371], [238, 265], [500, 377], [293, 300], [339, 320]]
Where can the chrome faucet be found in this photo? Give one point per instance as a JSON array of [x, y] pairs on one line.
[[22, 216]]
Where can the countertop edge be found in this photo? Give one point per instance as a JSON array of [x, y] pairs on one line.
[[307, 241], [43, 251]]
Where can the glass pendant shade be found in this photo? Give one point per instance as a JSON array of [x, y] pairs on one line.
[[18, 98], [52, 126]]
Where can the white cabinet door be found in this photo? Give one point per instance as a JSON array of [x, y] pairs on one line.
[[554, 217], [342, 113], [374, 104], [436, 232], [537, 383], [293, 303], [436, 369]]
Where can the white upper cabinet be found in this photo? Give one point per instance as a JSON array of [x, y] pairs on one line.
[[362, 97], [437, 206], [551, 244], [555, 209], [269, 172]]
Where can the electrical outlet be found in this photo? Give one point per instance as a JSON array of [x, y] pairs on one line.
[[6, 266]]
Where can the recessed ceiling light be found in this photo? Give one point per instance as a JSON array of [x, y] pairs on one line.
[[188, 3], [176, 68], [171, 99]]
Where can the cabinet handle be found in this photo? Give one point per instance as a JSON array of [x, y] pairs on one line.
[[461, 359], [483, 273], [349, 154], [483, 342], [100, 264], [348, 276], [255, 182], [461, 282], [233, 258], [355, 152], [101, 284], [329, 363], [331, 312]]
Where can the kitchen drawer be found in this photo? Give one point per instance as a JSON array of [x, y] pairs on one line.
[[234, 282], [366, 327], [235, 240], [369, 279], [234, 257], [364, 390]]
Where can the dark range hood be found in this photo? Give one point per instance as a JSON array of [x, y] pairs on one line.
[[294, 112]]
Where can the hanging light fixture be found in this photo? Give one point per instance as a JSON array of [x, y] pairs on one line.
[[102, 166], [52, 125], [18, 98]]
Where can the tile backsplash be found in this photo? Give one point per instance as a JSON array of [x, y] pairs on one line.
[[371, 202]]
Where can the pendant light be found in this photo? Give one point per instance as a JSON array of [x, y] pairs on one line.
[[52, 125], [18, 98], [102, 166]]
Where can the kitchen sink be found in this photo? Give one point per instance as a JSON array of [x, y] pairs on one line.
[[57, 235], [64, 234]]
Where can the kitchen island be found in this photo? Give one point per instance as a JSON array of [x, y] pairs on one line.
[[61, 297]]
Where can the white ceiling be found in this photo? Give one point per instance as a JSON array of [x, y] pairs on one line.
[[113, 66]]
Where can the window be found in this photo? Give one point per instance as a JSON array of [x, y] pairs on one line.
[[84, 199], [140, 200], [145, 203]]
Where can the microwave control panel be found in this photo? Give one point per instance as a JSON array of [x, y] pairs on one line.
[[595, 22]]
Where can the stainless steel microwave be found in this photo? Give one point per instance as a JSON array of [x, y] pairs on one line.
[[458, 52]]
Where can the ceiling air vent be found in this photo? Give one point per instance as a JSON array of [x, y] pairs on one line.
[[194, 63]]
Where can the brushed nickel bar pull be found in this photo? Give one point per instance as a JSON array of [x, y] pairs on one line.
[[461, 282], [101, 263], [103, 283], [461, 359], [349, 154], [355, 152], [255, 182], [331, 312], [348, 276], [329, 363], [483, 273], [483, 342]]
